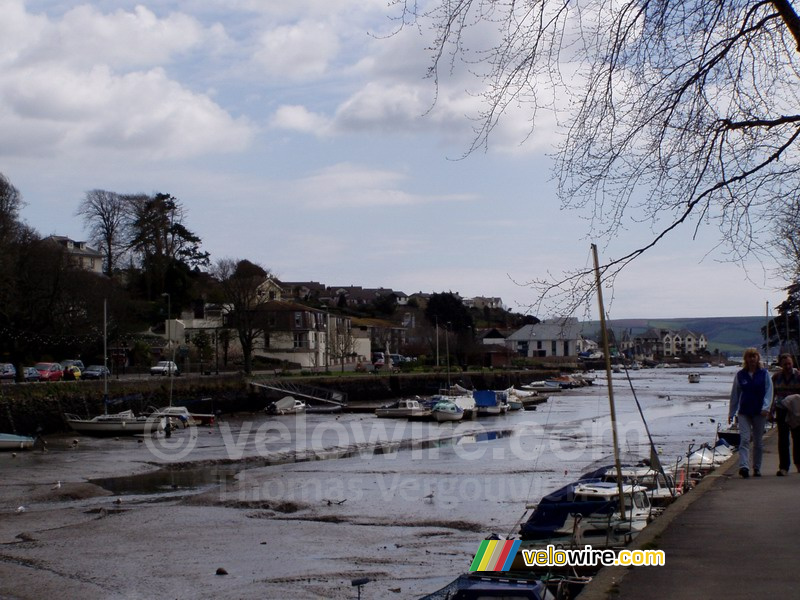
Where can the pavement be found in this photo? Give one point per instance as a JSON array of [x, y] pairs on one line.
[[728, 538]]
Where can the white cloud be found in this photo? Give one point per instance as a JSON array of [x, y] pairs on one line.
[[65, 87], [298, 118], [351, 186], [297, 52]]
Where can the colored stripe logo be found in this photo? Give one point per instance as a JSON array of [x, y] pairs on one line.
[[495, 555]]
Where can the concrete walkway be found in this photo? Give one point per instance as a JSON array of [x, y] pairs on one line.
[[729, 538]]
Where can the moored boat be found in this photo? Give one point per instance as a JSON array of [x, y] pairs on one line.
[[10, 441], [288, 405], [586, 512], [123, 423], [403, 409], [447, 411], [182, 415]]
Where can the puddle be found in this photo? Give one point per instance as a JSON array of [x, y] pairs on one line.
[[167, 481]]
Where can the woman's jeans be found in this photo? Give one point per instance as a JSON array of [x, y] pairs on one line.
[[751, 429]]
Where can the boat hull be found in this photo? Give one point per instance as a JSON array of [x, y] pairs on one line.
[[112, 427], [10, 441]]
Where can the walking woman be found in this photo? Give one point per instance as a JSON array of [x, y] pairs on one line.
[[751, 397]]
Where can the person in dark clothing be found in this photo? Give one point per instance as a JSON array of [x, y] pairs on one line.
[[785, 383], [751, 398]]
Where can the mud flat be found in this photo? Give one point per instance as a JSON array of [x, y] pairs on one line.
[[299, 507]]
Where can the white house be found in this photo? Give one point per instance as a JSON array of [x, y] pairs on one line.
[[552, 337]]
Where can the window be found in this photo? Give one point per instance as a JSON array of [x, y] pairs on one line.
[[553, 348], [298, 340], [298, 319]]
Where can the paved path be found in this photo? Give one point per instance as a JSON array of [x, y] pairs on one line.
[[730, 538]]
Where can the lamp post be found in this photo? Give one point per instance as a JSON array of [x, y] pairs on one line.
[[169, 341], [447, 350], [169, 315]]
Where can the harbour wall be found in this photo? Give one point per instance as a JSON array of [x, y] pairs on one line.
[[40, 407]]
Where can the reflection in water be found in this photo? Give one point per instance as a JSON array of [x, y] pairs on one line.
[[169, 480]]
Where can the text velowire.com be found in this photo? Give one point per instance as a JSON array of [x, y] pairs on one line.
[[591, 557]]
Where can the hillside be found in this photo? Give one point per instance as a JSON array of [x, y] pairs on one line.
[[729, 335]]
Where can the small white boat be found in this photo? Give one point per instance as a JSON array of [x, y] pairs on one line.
[[123, 423], [694, 377], [403, 409], [181, 416], [9, 441], [288, 405], [447, 411]]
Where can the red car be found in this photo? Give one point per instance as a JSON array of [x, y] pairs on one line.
[[49, 371]]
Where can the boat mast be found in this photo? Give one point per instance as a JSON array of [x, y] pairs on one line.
[[105, 356], [610, 386]]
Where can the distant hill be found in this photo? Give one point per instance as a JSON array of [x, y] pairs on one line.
[[729, 335]]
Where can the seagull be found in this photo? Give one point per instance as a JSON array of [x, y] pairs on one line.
[[20, 510], [118, 501], [429, 497], [57, 486]]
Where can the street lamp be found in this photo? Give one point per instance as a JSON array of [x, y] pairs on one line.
[[169, 340], [447, 350], [169, 315]]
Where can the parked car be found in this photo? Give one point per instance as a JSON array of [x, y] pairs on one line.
[[165, 367], [72, 363], [72, 373], [49, 371], [30, 374], [95, 372], [8, 372]]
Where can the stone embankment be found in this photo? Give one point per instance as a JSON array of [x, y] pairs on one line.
[[40, 407]]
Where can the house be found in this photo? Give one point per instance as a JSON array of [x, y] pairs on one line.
[[482, 302], [551, 337], [667, 342], [80, 253], [307, 336], [304, 290], [488, 337], [382, 333]]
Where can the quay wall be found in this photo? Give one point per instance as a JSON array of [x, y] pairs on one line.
[[39, 407]]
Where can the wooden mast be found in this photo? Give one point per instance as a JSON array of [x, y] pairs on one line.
[[607, 355]]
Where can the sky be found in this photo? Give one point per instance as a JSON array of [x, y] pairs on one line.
[[305, 136]]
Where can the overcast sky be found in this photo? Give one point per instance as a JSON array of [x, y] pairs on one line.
[[303, 136]]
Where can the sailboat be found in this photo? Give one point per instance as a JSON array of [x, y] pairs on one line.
[[123, 423]]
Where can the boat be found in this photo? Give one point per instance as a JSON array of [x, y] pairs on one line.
[[10, 441], [586, 512], [475, 586], [288, 405], [487, 403], [324, 409], [515, 404], [660, 487], [447, 411], [729, 434], [403, 409], [122, 423], [182, 415], [694, 377]]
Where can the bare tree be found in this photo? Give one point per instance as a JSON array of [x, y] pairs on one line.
[[341, 339], [681, 112], [104, 214], [240, 281]]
